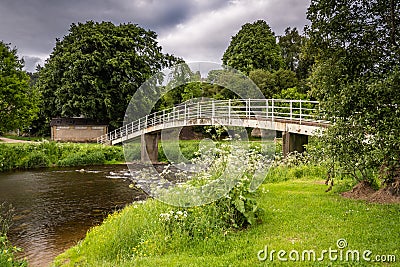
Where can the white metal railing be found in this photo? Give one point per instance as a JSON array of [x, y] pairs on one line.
[[298, 111]]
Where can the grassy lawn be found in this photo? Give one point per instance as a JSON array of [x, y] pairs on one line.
[[298, 215]]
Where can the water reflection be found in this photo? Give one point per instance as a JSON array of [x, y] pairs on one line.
[[55, 207]]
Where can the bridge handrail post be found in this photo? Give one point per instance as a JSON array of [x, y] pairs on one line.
[[248, 110], [291, 109], [318, 111], [266, 105], [163, 116], [229, 111], [300, 111], [185, 115], [145, 123], [272, 109], [212, 111]]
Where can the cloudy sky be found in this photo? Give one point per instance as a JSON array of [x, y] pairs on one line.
[[197, 30]]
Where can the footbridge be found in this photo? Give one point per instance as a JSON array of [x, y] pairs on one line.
[[296, 119]]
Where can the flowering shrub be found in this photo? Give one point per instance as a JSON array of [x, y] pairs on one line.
[[233, 207]]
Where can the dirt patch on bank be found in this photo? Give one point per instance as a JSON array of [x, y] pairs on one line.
[[8, 140], [389, 194], [364, 191]]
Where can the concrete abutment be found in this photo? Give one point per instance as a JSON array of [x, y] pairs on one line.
[[149, 147], [293, 142]]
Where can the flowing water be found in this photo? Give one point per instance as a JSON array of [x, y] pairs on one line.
[[54, 208]]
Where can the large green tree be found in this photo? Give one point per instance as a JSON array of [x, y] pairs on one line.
[[363, 35], [253, 47], [96, 68], [183, 85], [356, 78], [271, 83], [18, 101], [291, 44], [294, 53]]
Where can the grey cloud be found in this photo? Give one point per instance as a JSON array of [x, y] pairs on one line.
[[207, 35], [288, 13], [32, 62], [196, 29]]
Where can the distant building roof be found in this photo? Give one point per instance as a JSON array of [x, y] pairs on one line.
[[75, 121]]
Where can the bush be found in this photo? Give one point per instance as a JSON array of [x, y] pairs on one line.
[[235, 206], [113, 153], [83, 158], [34, 160], [44, 154], [9, 156]]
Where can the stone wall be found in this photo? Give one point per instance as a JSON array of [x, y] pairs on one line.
[[77, 133]]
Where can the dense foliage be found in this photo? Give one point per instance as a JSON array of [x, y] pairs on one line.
[[290, 45], [356, 78], [271, 83], [294, 54], [47, 154], [253, 47], [18, 101], [96, 68], [273, 66]]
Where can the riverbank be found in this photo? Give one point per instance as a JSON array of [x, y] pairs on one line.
[[15, 156], [24, 155], [297, 215]]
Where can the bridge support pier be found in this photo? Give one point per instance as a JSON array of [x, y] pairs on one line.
[[149, 148], [293, 142]]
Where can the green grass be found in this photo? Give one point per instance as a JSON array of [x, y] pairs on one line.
[[187, 149], [298, 215], [176, 151]]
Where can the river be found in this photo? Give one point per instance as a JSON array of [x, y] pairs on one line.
[[54, 207]]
